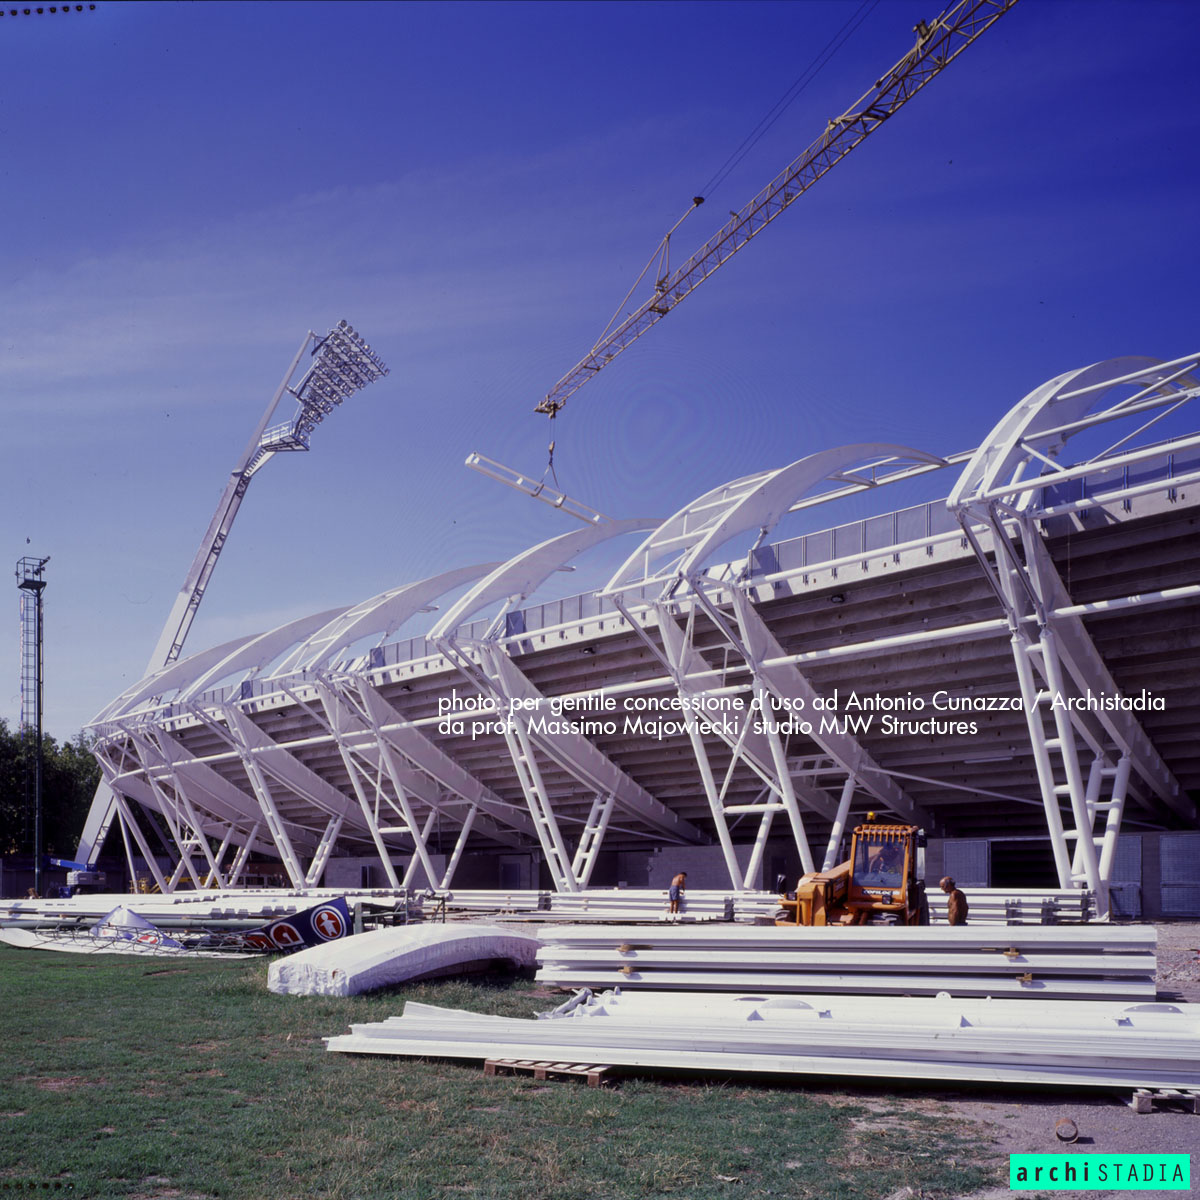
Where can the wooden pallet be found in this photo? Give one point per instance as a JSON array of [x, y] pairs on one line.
[[597, 1075], [1144, 1099]]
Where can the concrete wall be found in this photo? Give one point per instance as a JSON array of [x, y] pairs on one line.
[[1157, 874], [705, 867], [348, 872]]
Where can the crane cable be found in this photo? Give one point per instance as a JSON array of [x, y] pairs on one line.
[[797, 88], [793, 93]]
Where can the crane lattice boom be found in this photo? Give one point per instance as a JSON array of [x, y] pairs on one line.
[[938, 44]]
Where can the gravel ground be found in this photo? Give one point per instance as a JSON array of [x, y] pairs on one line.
[[1009, 1123], [1179, 961]]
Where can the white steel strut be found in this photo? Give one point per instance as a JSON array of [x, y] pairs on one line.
[[540, 490], [671, 562]]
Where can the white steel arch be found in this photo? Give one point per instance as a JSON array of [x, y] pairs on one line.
[[521, 575], [682, 544], [382, 615], [253, 656], [168, 679], [1033, 432]]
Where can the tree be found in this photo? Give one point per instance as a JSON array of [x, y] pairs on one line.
[[69, 778], [14, 836]]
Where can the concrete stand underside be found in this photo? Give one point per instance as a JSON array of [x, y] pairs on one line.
[[1026, 651]]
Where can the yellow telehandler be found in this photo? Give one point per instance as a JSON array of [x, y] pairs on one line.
[[881, 882]]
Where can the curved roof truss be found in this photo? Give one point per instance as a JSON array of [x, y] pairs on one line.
[[516, 579], [1020, 453], [681, 546]]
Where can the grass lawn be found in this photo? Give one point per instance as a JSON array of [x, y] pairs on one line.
[[129, 1077]]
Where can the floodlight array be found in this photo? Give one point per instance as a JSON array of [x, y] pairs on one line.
[[343, 364]]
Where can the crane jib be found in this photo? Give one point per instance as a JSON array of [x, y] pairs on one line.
[[938, 44]]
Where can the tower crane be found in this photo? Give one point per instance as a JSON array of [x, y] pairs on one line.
[[939, 42]]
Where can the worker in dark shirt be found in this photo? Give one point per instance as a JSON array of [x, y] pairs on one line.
[[957, 906]]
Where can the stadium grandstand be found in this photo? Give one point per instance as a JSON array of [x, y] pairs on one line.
[[1012, 664]]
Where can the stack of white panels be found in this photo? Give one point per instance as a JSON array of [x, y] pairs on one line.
[[1081, 1043], [611, 904], [485, 900], [1042, 962], [1029, 906], [989, 906], [648, 904]]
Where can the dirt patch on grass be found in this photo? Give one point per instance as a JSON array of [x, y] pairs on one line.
[[879, 1124], [994, 1123], [162, 1189], [166, 1192], [64, 1083]]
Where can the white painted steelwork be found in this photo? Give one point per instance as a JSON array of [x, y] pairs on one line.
[[1081, 1043], [245, 908], [540, 490], [522, 709], [1078, 753], [77, 941], [1034, 961], [301, 744]]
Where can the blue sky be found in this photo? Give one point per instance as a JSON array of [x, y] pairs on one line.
[[188, 188]]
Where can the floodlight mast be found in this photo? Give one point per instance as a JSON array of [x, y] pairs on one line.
[[31, 580], [342, 364]]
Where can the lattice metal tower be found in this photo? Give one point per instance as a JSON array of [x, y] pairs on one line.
[[31, 582]]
